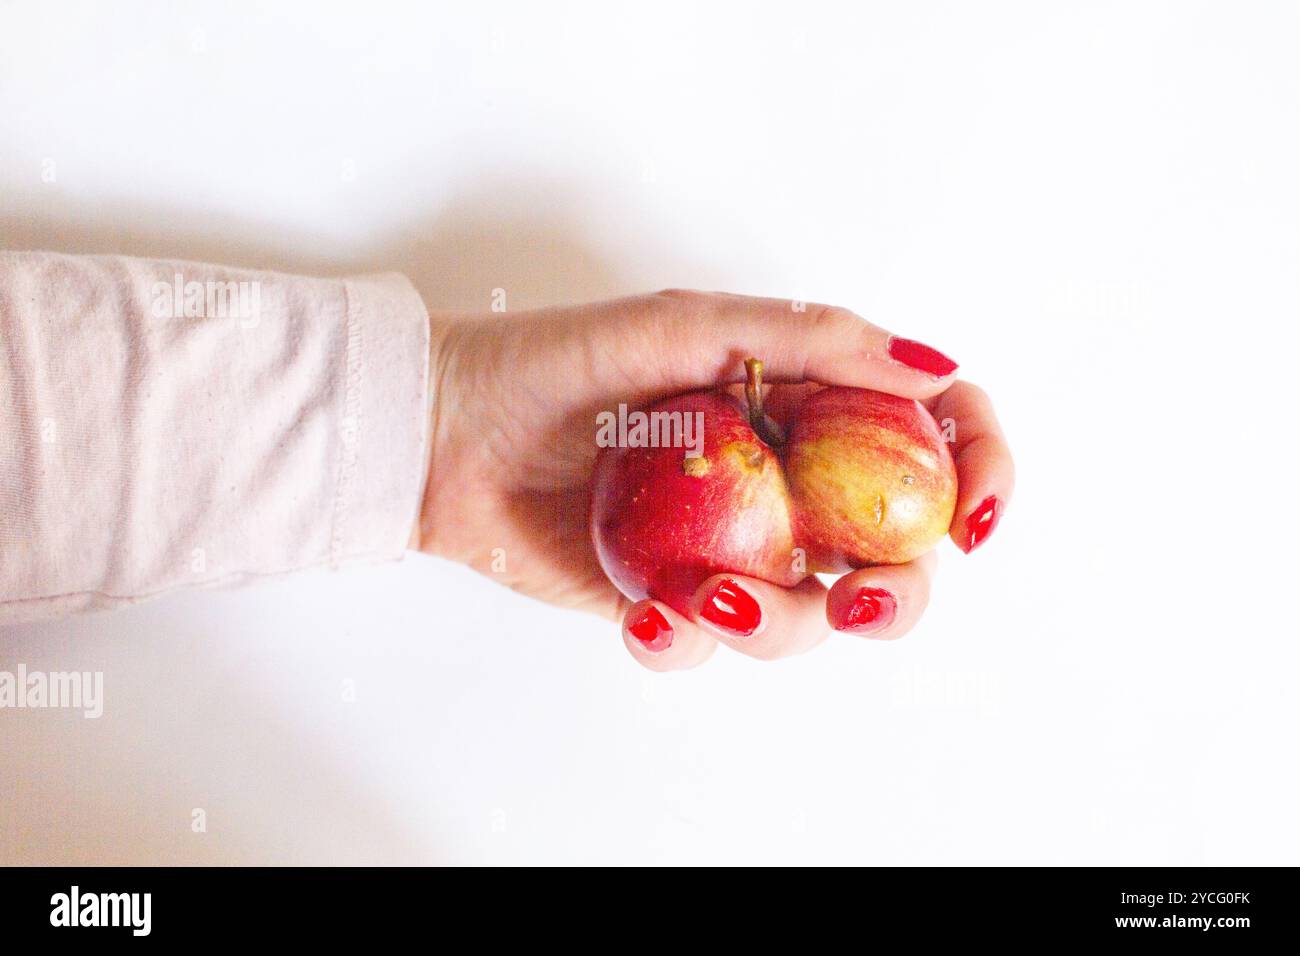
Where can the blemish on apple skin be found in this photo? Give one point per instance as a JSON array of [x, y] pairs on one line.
[[878, 510], [908, 479], [750, 455], [696, 467]]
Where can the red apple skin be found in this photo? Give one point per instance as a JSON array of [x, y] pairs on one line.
[[662, 525], [871, 478]]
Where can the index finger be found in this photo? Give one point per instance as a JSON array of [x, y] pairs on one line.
[[709, 335]]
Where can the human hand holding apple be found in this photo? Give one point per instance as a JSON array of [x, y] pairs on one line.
[[514, 469]]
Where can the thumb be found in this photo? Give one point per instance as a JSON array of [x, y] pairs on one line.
[[708, 335]]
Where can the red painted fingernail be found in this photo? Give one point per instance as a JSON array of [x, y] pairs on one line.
[[922, 357], [732, 608], [872, 610], [981, 523], [652, 629]]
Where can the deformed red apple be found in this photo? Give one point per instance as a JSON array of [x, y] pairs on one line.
[[861, 478]]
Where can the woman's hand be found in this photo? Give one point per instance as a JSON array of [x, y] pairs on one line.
[[516, 400]]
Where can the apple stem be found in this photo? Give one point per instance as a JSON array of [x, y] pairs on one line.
[[766, 429]]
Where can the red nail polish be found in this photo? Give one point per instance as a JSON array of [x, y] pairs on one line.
[[922, 357], [732, 608], [872, 610], [652, 629], [981, 523]]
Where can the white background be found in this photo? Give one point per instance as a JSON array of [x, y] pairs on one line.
[[1094, 210]]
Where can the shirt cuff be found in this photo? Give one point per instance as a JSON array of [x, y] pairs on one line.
[[385, 430]]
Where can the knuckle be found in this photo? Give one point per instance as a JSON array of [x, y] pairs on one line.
[[971, 396], [835, 318], [683, 312]]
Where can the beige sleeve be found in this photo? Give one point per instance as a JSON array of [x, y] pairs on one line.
[[170, 424]]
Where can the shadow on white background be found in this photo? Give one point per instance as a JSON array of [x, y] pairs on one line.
[[198, 685]]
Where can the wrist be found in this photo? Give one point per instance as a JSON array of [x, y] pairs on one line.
[[442, 333]]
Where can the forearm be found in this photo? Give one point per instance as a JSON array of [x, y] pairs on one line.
[[172, 424]]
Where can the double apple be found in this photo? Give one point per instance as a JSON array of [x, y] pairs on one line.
[[856, 478]]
